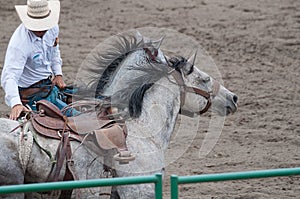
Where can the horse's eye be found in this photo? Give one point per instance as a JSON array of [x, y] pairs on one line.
[[206, 79]]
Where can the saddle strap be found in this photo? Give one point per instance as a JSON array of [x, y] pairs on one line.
[[70, 174], [60, 158], [63, 153]]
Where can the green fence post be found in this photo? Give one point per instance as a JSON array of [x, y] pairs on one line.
[[174, 187], [158, 186]]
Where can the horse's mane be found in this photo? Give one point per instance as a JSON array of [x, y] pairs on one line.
[[104, 59], [103, 62]]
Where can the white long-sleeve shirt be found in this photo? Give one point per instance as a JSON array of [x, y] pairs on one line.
[[28, 60]]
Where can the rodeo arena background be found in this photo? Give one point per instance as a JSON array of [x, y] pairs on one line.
[[239, 61]]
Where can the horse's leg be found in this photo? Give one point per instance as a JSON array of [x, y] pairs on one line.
[[114, 193], [87, 166], [142, 165], [11, 172], [149, 161], [145, 191]]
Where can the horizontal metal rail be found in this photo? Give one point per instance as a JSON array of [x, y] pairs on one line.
[[157, 179], [176, 180], [49, 186]]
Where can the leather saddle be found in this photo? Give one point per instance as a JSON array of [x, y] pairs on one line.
[[106, 133], [101, 131]]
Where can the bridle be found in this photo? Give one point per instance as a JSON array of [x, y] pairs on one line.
[[184, 89]]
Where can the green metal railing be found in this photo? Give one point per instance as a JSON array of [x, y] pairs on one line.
[[37, 187], [156, 179], [176, 180]]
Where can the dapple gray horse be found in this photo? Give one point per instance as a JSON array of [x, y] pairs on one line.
[[148, 88]]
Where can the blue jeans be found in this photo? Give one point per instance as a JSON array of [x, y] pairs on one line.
[[55, 96]]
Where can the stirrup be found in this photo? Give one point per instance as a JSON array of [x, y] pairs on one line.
[[124, 157]]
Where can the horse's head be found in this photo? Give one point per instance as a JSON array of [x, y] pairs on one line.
[[199, 91]]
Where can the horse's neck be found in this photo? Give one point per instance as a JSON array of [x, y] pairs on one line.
[[150, 134], [161, 105]]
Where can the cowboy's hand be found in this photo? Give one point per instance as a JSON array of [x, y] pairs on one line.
[[16, 111], [58, 81]]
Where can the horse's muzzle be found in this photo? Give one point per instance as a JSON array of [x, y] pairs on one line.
[[231, 105]]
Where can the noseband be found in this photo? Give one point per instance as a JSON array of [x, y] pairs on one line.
[[188, 89]]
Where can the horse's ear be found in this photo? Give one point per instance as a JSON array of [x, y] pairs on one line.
[[157, 44], [192, 58], [188, 68]]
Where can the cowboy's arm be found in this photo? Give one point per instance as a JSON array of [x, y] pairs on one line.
[[14, 63], [13, 67]]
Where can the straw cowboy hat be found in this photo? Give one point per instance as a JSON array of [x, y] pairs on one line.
[[39, 15]]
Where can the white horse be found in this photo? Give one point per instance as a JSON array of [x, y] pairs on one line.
[[156, 88], [149, 90]]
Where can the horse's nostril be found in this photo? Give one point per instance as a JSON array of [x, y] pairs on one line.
[[235, 98]]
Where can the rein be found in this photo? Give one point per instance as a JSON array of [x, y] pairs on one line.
[[188, 89]]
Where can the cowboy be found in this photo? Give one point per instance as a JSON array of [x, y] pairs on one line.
[[32, 67]]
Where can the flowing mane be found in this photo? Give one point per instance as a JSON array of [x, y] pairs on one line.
[[101, 66], [103, 61]]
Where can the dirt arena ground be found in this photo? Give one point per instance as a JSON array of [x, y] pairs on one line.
[[256, 46]]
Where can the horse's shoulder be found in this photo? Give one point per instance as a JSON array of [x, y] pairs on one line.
[[8, 124]]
